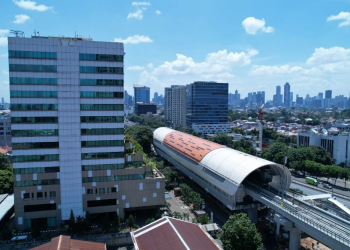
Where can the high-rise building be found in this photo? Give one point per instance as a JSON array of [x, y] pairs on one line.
[[277, 98], [287, 95], [263, 96], [167, 106], [291, 99], [328, 94], [68, 132], [207, 107], [155, 99], [126, 97], [175, 106], [2, 100], [141, 93], [320, 96]]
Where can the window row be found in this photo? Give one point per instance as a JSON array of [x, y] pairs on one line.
[[34, 145], [102, 143], [33, 67], [35, 132], [126, 177], [102, 107], [36, 170], [36, 183], [92, 94], [49, 119], [102, 203], [34, 106], [24, 158], [102, 82], [102, 155], [101, 57], [102, 119], [40, 195], [19, 93], [32, 54], [102, 167], [109, 70], [135, 164], [102, 131], [24, 80], [101, 190]]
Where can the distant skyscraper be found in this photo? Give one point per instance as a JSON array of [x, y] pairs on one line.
[[126, 97], [320, 96], [328, 94], [277, 99], [291, 99], [167, 106], [156, 97], [141, 93], [287, 95], [263, 96], [2, 100]]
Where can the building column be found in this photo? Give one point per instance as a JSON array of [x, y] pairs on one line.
[[294, 240], [253, 215], [278, 226]]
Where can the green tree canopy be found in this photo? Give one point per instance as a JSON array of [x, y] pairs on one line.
[[223, 139], [5, 164], [143, 135], [131, 222]]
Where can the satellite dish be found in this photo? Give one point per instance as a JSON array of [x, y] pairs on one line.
[[324, 131]]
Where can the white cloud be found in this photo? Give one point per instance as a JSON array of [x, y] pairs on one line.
[[4, 32], [4, 55], [344, 16], [253, 25], [135, 67], [331, 55], [150, 65], [263, 70], [22, 18], [141, 3], [137, 14], [158, 12], [3, 40], [30, 5], [5, 72], [134, 39]]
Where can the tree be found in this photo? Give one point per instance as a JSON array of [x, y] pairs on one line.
[[223, 139], [105, 224], [149, 221], [177, 215], [6, 181], [239, 233], [87, 222], [185, 216], [131, 222], [71, 223], [79, 226], [116, 222], [204, 219], [143, 135], [5, 164], [6, 233]]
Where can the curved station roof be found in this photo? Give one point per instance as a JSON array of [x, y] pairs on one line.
[[227, 162]]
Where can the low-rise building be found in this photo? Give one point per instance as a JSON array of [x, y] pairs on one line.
[[142, 108]]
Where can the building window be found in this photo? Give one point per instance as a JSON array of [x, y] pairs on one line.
[[52, 194], [90, 191], [102, 167], [113, 190], [39, 195], [36, 183], [110, 143], [26, 195], [107, 70], [39, 81], [34, 107], [102, 203], [32, 145], [35, 132], [91, 94], [113, 178], [24, 158], [101, 57], [40, 94], [45, 194], [34, 120], [102, 131], [107, 190], [102, 119], [32, 54], [102, 190], [39, 207], [102, 82], [33, 67], [101, 107], [36, 170], [102, 155]]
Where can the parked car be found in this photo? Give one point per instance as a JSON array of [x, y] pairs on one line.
[[326, 185]]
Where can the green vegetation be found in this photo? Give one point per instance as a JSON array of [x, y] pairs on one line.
[[130, 222], [143, 135], [153, 122], [188, 131], [239, 233], [149, 221], [242, 145], [204, 219], [6, 175], [189, 196]]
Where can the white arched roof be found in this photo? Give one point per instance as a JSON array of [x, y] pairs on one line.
[[160, 133]]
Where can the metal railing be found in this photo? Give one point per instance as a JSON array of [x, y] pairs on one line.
[[307, 215]]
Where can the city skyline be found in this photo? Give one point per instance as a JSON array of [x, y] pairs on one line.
[[261, 47]]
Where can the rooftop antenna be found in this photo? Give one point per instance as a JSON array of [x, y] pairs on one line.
[[17, 33]]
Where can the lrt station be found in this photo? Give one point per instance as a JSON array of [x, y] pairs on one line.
[[244, 182]]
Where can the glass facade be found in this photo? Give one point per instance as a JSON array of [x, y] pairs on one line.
[[31, 145], [33, 67], [49, 119], [102, 155], [102, 143], [35, 132], [126, 177], [102, 82], [36, 183], [24, 158], [142, 94], [102, 131], [101, 57], [102, 167], [32, 54], [101, 107], [206, 103], [44, 94], [108, 70], [39, 81], [36, 170], [91, 94], [102, 119], [34, 107]]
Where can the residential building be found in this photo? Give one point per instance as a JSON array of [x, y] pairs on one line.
[[175, 106], [142, 108], [141, 94], [207, 107], [287, 96], [167, 106], [68, 132], [5, 129]]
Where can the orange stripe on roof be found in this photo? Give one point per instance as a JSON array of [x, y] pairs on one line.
[[190, 146]]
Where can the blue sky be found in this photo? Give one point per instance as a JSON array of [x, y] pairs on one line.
[[252, 45]]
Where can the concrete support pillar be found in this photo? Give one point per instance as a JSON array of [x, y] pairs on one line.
[[253, 215], [278, 225], [294, 240]]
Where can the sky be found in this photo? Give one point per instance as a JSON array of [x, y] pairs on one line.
[[253, 45]]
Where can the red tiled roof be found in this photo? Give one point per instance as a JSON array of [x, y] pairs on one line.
[[191, 146], [66, 243]]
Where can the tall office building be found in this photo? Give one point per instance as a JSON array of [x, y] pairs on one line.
[[320, 96], [167, 106], [2, 100], [207, 107], [68, 132], [277, 98], [263, 96], [155, 98], [178, 105], [141, 93], [126, 97], [291, 99], [287, 95], [328, 94]]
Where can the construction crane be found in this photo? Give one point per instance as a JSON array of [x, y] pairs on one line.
[[261, 124]]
